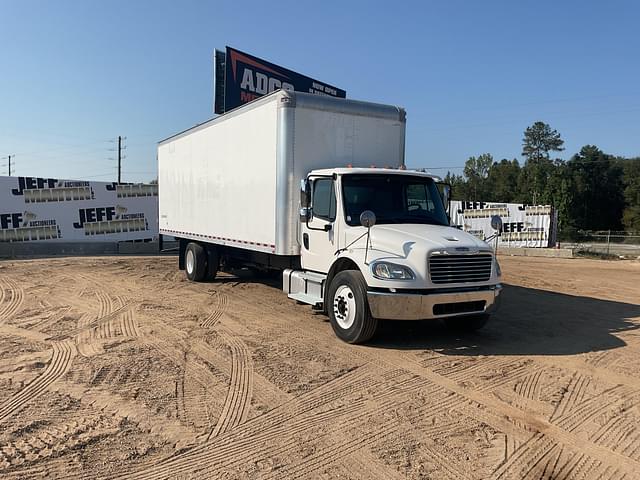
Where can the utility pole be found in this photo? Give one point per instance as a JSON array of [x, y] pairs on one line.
[[9, 164], [119, 158]]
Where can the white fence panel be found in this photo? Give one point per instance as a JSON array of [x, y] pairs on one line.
[[36, 209], [523, 225]]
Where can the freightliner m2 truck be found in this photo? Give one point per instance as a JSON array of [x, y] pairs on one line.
[[315, 187]]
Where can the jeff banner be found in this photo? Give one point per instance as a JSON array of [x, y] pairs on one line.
[[522, 225], [36, 209], [241, 77]]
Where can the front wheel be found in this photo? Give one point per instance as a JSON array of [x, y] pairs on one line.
[[469, 323], [349, 309]]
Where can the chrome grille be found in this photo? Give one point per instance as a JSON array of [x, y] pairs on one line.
[[460, 268]]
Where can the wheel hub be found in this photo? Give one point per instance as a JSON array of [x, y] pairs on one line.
[[191, 261], [344, 307]]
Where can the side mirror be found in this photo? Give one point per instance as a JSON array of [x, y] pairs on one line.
[[445, 193], [305, 200], [305, 193], [367, 219], [496, 224]]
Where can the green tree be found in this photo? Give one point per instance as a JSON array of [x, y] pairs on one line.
[[539, 139], [631, 181], [598, 194], [459, 187], [476, 171], [502, 181], [558, 192]]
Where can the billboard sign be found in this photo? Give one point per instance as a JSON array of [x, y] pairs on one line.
[[522, 225], [247, 77], [36, 209]]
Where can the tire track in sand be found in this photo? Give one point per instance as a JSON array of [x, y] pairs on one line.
[[516, 417], [116, 405], [343, 446], [129, 325], [278, 418], [254, 440], [11, 298], [222, 301], [525, 460], [63, 353], [64, 349], [90, 339], [238, 400]]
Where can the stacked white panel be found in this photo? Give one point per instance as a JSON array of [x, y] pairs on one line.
[[522, 225], [35, 209]]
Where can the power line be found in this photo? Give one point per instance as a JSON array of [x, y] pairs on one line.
[[61, 148], [98, 175], [65, 156]]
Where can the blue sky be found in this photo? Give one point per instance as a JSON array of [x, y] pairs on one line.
[[472, 75]]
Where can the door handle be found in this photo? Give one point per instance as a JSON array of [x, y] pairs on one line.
[[305, 240]]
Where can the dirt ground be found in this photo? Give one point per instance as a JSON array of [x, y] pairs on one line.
[[118, 367]]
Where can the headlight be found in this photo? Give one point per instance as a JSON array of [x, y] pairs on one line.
[[391, 271], [498, 269]]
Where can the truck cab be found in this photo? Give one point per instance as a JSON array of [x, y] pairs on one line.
[[375, 243]]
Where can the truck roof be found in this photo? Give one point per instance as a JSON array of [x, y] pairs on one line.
[[373, 170], [305, 100]]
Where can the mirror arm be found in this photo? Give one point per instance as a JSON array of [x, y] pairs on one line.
[[324, 228]]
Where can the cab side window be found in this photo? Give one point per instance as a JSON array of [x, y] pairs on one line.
[[324, 199]]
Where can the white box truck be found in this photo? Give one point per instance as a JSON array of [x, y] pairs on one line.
[[315, 187]]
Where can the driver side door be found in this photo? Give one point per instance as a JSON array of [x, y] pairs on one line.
[[319, 236]]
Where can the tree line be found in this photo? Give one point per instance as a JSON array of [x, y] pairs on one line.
[[593, 190]]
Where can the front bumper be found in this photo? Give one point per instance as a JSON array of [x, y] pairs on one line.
[[422, 306]]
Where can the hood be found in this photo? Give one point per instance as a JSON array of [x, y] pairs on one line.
[[397, 237]]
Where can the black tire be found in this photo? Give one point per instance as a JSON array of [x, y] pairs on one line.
[[195, 262], [213, 262], [467, 324], [348, 290]]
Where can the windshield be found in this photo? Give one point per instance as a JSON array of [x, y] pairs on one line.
[[393, 198]]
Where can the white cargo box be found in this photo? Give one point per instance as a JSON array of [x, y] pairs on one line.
[[235, 180]]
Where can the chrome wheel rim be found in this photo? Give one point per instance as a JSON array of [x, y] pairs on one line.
[[191, 261], [344, 307]]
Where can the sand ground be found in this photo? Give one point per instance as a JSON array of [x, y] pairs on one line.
[[118, 367]]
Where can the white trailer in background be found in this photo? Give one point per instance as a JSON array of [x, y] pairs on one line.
[[294, 182]]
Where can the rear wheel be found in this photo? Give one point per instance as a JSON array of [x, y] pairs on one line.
[[469, 323], [349, 309], [195, 262]]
